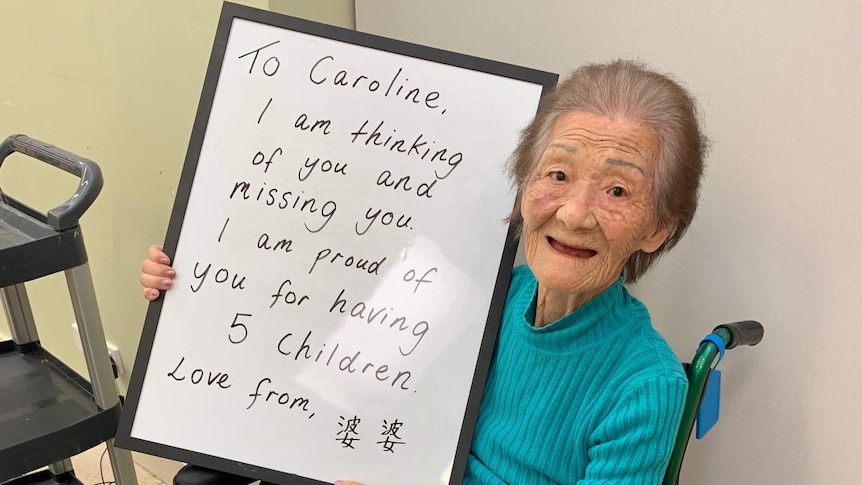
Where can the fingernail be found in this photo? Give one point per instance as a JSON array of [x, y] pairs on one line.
[[338, 482], [171, 273], [167, 283], [164, 260]]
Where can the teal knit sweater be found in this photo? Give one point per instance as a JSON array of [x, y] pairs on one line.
[[593, 398]]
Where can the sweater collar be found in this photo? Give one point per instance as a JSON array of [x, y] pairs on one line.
[[596, 320]]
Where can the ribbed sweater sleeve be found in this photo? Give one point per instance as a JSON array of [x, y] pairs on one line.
[[633, 443], [594, 398]]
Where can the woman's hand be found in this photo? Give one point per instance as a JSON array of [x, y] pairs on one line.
[[157, 274]]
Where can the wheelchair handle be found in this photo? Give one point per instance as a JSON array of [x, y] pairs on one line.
[[65, 215], [747, 332]]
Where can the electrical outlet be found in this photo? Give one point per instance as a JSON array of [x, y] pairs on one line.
[[113, 351]]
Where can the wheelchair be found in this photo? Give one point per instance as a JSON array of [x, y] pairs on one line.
[[699, 371]]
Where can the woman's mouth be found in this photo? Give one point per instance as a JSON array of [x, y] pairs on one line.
[[575, 252]]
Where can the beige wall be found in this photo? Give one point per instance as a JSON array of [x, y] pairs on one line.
[[116, 81], [778, 234]]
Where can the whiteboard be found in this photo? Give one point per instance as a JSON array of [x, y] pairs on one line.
[[342, 254]]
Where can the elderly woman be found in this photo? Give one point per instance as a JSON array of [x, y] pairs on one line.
[[582, 389]]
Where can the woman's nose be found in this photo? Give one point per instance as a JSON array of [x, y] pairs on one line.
[[577, 210]]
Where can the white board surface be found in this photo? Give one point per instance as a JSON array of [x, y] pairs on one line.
[[337, 240]]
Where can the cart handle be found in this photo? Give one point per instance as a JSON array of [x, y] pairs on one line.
[[65, 215]]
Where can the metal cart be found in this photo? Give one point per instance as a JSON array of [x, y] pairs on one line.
[[49, 413]]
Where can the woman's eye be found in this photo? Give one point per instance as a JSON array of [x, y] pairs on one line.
[[558, 176], [617, 192]]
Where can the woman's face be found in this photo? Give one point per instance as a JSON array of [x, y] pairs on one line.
[[589, 205]]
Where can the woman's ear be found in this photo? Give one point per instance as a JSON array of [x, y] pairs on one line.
[[653, 241]]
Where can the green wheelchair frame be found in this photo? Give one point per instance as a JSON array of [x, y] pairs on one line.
[[698, 371]]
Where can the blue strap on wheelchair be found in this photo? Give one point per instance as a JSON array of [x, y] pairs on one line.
[[707, 413], [719, 343]]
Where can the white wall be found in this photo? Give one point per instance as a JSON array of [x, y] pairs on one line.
[[778, 234]]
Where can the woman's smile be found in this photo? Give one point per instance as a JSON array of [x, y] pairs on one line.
[[571, 251]]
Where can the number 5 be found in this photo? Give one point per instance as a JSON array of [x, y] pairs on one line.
[[244, 329]]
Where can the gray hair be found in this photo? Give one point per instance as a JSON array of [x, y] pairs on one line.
[[628, 90]]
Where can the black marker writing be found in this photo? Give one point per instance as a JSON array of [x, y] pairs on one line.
[[198, 376], [288, 297], [259, 158], [410, 277], [390, 433], [386, 219], [370, 267], [280, 245], [304, 124], [222, 275], [243, 329], [273, 197], [270, 66], [355, 363], [326, 166], [417, 147], [324, 71], [380, 315], [223, 228], [386, 179], [348, 432], [277, 397], [264, 110]]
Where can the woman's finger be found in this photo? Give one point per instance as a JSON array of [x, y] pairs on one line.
[[156, 269], [157, 255], [151, 293], [155, 282]]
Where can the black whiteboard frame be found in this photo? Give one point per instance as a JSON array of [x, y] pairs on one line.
[[231, 11]]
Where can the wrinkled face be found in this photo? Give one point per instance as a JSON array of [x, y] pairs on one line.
[[589, 205]]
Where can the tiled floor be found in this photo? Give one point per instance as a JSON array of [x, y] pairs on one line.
[[87, 469]]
